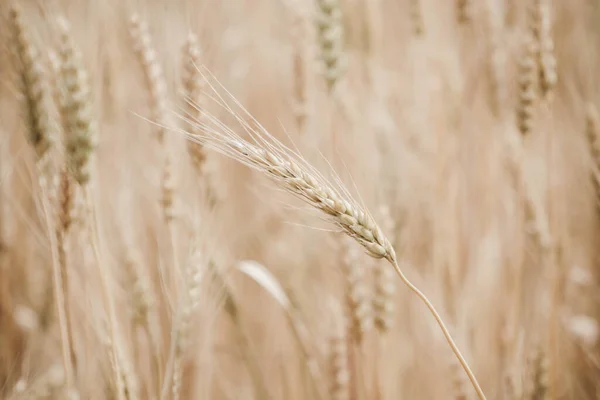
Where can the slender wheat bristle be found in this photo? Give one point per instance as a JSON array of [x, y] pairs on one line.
[[153, 72], [80, 128], [527, 89], [416, 18], [383, 300], [360, 312], [34, 87], [331, 40]]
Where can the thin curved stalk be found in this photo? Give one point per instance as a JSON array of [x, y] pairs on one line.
[[442, 326]]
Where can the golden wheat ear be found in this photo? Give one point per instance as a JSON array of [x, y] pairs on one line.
[[290, 172]]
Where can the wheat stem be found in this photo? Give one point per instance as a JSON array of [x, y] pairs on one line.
[[445, 331]]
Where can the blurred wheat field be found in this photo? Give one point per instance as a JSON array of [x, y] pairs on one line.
[[136, 262]]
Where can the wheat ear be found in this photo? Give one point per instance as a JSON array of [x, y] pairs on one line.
[[36, 95], [540, 26], [34, 88], [331, 40], [153, 73], [527, 80], [294, 175], [80, 136]]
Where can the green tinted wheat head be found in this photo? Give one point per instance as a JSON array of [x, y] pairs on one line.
[[34, 88], [527, 79], [79, 126], [540, 25], [331, 40], [294, 175]]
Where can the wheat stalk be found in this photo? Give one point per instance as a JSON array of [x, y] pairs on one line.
[[294, 175]]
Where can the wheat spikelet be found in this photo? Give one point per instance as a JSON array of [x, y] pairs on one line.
[[383, 300], [416, 18], [153, 73], [80, 128], [338, 365], [34, 89], [527, 79], [331, 40], [541, 28], [360, 313]]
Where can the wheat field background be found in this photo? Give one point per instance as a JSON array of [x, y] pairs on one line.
[[140, 259]]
